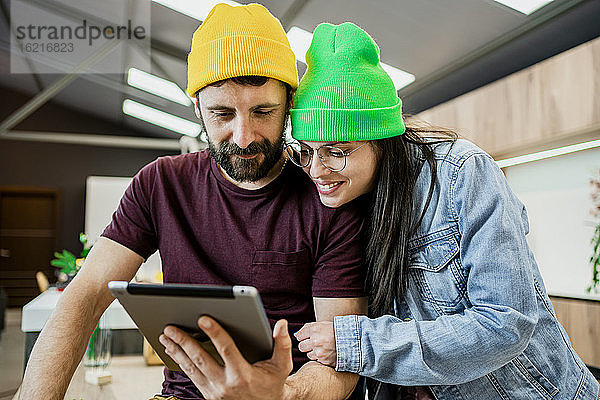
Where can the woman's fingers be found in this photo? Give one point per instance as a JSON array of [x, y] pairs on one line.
[[317, 339], [306, 345], [304, 332]]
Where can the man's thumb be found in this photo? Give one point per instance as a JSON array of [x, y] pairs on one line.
[[282, 347]]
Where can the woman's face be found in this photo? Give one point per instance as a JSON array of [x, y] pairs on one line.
[[356, 179]]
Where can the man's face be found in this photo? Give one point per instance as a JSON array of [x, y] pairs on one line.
[[244, 126]]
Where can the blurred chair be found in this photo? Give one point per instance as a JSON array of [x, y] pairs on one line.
[[42, 281], [150, 355]]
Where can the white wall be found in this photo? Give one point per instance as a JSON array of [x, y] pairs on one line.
[[557, 195], [102, 197]]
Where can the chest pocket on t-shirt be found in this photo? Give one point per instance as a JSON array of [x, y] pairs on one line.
[[282, 278]]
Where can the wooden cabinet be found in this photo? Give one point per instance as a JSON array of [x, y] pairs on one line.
[[581, 320], [28, 239], [555, 102]]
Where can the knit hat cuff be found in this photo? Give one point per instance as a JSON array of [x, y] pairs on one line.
[[233, 56], [330, 125]]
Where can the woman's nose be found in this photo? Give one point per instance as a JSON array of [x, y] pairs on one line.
[[316, 167]]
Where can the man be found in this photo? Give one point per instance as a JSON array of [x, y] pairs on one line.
[[237, 214]]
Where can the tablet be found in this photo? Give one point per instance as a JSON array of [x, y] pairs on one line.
[[237, 308]]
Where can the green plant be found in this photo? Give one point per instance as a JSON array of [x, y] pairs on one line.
[[595, 261], [91, 349], [67, 262], [595, 258]]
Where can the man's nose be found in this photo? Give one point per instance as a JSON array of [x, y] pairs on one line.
[[243, 134]]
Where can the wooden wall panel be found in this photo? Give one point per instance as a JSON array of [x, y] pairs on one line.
[[554, 101], [581, 320]]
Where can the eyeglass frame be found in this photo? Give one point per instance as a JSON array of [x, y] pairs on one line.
[[316, 150]]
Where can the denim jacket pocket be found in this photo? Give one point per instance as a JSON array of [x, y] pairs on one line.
[[436, 271], [535, 377], [520, 378]]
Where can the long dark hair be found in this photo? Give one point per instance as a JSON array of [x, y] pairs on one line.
[[391, 221]]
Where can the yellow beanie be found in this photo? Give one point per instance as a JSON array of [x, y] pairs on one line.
[[240, 41]]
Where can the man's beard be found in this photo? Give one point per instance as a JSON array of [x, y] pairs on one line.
[[250, 170]]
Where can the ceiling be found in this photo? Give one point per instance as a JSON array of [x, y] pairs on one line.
[[451, 46]]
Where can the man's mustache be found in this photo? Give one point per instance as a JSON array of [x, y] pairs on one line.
[[254, 148]]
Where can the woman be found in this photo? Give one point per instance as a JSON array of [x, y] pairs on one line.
[[458, 307]]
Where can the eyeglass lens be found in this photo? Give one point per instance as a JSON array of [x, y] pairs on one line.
[[332, 157]]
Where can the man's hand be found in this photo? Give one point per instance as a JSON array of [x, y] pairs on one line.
[[237, 379], [317, 340]]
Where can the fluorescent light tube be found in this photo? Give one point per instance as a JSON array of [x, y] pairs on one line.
[[300, 42], [157, 86], [197, 9], [509, 162], [399, 77], [299, 38], [161, 118], [524, 6]]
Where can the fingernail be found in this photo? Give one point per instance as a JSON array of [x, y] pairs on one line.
[[205, 322]]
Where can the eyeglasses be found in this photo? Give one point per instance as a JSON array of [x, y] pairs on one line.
[[331, 157]]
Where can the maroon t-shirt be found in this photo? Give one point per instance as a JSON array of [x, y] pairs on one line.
[[279, 238]]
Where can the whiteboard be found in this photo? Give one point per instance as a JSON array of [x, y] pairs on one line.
[[557, 195], [102, 197]]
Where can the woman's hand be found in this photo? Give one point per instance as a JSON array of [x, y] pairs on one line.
[[317, 339]]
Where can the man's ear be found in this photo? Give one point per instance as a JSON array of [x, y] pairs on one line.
[[290, 101], [196, 108], [198, 113]]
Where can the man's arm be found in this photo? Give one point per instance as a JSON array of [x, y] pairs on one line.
[[266, 379], [315, 380], [62, 342]]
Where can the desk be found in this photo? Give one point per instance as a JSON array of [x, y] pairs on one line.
[[132, 379], [126, 339], [37, 311]]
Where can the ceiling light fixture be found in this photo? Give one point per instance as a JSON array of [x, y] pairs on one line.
[[399, 77], [195, 9], [157, 86], [299, 38], [524, 6], [300, 42], [161, 118], [509, 162]]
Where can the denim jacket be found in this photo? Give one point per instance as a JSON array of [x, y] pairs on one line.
[[476, 321]]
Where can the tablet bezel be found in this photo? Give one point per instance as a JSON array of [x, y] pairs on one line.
[[238, 309]]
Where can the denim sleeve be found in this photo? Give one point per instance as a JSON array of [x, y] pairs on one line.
[[457, 348]]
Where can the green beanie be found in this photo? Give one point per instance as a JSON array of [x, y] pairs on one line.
[[345, 95]]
